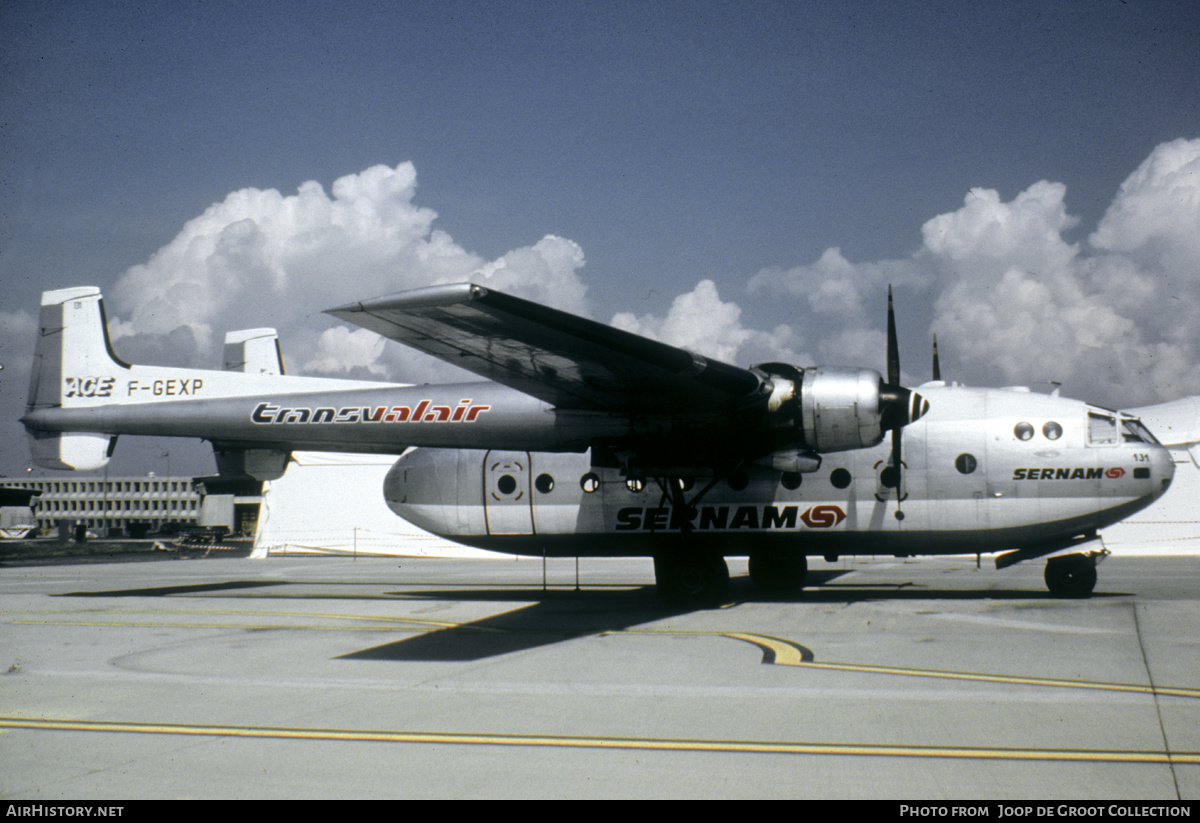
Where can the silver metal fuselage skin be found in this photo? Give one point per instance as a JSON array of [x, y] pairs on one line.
[[970, 485], [385, 420]]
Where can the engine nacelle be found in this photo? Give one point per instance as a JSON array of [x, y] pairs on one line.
[[831, 409], [841, 409]]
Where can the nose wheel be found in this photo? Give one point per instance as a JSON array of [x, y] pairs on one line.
[[1071, 575]]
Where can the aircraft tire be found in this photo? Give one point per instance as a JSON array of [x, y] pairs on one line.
[[778, 572], [1072, 575], [697, 579]]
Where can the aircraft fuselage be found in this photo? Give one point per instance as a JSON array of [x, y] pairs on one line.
[[971, 484]]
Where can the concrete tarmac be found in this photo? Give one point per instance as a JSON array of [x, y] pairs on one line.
[[392, 677]]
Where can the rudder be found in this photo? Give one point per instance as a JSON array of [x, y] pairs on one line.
[[73, 365], [73, 362]]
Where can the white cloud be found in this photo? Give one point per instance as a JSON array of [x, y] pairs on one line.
[[262, 258], [1155, 217], [987, 237], [1012, 300], [701, 322], [1115, 319], [837, 289], [545, 272]]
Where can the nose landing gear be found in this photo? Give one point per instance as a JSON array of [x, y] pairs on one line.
[[1073, 575]]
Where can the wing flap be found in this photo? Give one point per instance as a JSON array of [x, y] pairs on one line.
[[558, 357]]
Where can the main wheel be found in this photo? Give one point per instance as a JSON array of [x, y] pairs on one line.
[[691, 578], [1072, 575], [778, 572]]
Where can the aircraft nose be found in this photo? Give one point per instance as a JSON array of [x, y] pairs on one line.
[[1166, 468]]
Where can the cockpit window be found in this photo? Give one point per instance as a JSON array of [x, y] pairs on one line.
[[1132, 431], [1102, 429]]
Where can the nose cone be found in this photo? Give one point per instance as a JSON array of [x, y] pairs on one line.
[[1164, 466], [917, 407], [900, 406]]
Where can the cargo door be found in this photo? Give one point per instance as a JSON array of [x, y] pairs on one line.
[[507, 499]]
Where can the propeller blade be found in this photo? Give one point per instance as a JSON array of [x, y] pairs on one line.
[[893, 349], [896, 465], [903, 406], [937, 368]]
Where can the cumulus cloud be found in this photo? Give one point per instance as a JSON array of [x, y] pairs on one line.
[[290, 256], [837, 289], [701, 322], [1114, 318]]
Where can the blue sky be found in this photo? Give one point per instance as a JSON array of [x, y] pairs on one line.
[[689, 160]]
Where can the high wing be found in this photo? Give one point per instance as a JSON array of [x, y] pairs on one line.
[[565, 360]]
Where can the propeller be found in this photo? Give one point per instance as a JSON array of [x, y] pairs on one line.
[[900, 406], [937, 368]]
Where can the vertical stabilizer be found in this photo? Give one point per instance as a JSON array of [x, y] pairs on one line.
[[73, 365], [253, 351], [73, 362]]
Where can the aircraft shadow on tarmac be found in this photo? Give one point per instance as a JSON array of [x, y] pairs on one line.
[[191, 588], [560, 615]]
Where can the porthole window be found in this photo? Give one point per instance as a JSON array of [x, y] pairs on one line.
[[840, 478], [544, 483], [507, 484], [965, 463], [589, 482], [635, 485], [1023, 431], [738, 480], [1052, 430], [791, 480]]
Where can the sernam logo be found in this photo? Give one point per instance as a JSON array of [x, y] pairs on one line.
[[1090, 473], [729, 518]]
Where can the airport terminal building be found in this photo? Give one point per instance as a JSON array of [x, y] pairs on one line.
[[111, 506]]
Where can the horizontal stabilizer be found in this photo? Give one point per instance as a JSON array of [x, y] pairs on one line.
[[66, 451]]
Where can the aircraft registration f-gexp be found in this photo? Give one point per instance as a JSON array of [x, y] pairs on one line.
[[591, 441]]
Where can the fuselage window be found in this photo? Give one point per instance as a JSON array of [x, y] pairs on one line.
[[965, 463], [544, 483], [507, 484], [791, 480], [1132, 431], [589, 482], [635, 485], [1023, 431], [1102, 429], [1052, 430], [738, 481], [840, 478]]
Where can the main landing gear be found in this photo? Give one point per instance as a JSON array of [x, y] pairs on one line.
[[702, 578], [691, 578]]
